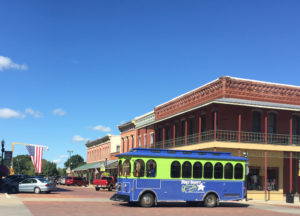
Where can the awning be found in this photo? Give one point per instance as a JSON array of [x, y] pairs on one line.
[[110, 165]]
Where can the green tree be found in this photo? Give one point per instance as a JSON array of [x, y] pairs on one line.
[[22, 164], [61, 171], [49, 168], [74, 161]]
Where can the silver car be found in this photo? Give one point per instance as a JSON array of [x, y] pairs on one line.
[[36, 185]]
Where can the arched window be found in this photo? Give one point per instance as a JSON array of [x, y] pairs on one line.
[[126, 168], [175, 169], [186, 170], [208, 170], [197, 170], [139, 168], [151, 168], [218, 171], [238, 171], [120, 168], [228, 171]]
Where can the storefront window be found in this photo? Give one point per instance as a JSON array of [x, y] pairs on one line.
[[256, 178]]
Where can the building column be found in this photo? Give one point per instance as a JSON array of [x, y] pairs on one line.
[[291, 155], [266, 129], [146, 132], [186, 130], [164, 137], [174, 135], [215, 126], [266, 174], [154, 138], [200, 128], [137, 138], [240, 126]]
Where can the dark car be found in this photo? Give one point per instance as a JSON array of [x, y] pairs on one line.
[[11, 183], [76, 181]]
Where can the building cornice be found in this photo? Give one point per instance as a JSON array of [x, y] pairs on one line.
[[99, 141], [228, 87], [127, 126]]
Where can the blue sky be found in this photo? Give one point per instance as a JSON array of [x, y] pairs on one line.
[[81, 68]]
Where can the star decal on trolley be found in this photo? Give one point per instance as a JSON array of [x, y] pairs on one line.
[[201, 187]]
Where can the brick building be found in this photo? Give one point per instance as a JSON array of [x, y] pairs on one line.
[[100, 157], [245, 117]]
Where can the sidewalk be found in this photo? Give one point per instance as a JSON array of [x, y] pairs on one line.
[[12, 207], [296, 203]]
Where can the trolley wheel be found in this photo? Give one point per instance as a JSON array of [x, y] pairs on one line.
[[97, 188], [147, 200], [210, 201]]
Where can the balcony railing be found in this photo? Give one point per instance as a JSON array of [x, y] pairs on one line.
[[229, 136]]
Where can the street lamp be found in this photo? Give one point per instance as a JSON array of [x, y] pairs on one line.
[[2, 150]]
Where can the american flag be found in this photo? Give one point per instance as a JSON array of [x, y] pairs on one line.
[[36, 153]]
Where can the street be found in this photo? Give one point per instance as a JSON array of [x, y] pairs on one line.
[[86, 201]]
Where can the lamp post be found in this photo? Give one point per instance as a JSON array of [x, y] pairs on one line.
[[2, 150], [70, 163]]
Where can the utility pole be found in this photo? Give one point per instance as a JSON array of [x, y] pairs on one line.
[[70, 153]]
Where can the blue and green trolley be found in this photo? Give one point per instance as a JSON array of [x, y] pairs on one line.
[[149, 176]]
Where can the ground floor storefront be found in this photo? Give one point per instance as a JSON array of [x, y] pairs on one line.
[[93, 171], [270, 174]]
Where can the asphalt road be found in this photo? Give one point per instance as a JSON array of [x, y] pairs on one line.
[[77, 201]]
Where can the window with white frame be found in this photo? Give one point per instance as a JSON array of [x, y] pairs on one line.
[[140, 141], [151, 139]]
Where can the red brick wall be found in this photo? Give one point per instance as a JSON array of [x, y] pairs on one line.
[[226, 87], [228, 119]]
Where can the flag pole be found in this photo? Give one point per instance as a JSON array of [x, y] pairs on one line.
[[12, 150]]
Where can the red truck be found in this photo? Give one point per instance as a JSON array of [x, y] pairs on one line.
[[105, 182]]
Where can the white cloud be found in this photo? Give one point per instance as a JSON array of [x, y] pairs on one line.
[[35, 114], [59, 112], [101, 128], [7, 63], [7, 113], [78, 138], [60, 159]]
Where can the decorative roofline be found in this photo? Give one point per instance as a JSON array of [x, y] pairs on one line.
[[228, 87], [100, 141], [127, 126]]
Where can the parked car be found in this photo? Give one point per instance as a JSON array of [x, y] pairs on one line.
[[11, 183], [14, 177], [61, 180], [36, 185], [76, 181], [105, 182]]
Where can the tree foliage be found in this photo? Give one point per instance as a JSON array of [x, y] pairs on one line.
[[22, 164], [74, 161]]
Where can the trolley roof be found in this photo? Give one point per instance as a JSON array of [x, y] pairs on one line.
[[145, 152]]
